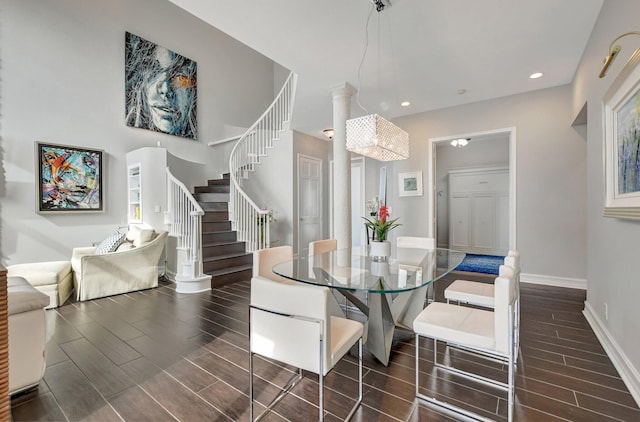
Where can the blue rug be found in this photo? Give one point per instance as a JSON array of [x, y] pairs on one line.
[[488, 264]]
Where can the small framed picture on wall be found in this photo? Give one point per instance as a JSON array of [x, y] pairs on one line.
[[410, 184]]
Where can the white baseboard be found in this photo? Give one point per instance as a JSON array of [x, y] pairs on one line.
[[549, 280], [629, 374]]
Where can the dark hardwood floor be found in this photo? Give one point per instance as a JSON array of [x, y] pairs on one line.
[[158, 355]]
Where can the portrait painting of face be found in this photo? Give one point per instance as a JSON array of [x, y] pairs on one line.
[[69, 178], [160, 87]]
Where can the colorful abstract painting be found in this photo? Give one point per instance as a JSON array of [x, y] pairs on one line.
[[70, 178], [160, 88], [628, 145]]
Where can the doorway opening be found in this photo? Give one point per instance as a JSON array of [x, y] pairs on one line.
[[472, 192]]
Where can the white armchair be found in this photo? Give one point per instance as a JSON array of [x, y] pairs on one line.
[[116, 272]]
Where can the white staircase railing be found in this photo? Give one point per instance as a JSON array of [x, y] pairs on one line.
[[184, 217], [251, 223]]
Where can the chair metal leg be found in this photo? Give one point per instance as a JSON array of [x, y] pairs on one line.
[[355, 406], [435, 352], [321, 383], [433, 400], [293, 381], [250, 386], [417, 362]]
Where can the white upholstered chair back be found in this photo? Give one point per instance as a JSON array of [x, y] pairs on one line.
[[415, 242], [513, 260], [322, 246], [265, 259], [505, 294], [291, 340]]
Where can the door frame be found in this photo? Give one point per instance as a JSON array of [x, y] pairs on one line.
[[431, 178]]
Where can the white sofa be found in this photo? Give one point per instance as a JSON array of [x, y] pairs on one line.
[[126, 270], [27, 334]]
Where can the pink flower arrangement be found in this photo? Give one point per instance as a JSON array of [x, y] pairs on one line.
[[380, 224]]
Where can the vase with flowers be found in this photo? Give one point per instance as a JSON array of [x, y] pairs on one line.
[[380, 225]]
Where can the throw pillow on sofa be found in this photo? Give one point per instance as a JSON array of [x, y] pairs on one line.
[[139, 236], [110, 244]]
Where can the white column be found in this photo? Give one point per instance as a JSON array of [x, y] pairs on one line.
[[341, 95]]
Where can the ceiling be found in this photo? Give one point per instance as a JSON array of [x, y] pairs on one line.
[[420, 51]]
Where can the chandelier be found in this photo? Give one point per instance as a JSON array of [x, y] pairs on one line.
[[375, 137], [372, 135], [459, 143]]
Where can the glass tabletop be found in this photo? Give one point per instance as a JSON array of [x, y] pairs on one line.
[[351, 269]]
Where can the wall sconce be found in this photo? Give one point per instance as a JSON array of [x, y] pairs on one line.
[[328, 133], [613, 52], [459, 143]]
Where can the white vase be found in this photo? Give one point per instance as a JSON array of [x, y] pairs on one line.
[[380, 249]]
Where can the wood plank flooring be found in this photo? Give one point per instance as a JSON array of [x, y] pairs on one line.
[[158, 355]]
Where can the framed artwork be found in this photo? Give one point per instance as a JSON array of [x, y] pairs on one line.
[[160, 88], [622, 143], [410, 184], [69, 179]]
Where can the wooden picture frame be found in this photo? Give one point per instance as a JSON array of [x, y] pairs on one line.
[[410, 184], [621, 105], [68, 179]]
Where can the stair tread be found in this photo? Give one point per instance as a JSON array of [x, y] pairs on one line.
[[225, 256], [217, 231], [230, 270], [222, 242]]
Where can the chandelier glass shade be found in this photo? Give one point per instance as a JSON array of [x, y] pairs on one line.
[[459, 143], [375, 137]]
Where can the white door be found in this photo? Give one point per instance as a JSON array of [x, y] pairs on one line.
[[459, 206], [309, 202], [483, 224]]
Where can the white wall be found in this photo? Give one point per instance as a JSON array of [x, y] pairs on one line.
[[613, 267], [270, 186], [551, 168], [62, 81]]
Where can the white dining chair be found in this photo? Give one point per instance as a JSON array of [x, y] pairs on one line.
[[489, 333], [318, 247], [405, 307], [265, 259], [482, 294], [291, 323], [322, 246], [479, 293], [415, 242]]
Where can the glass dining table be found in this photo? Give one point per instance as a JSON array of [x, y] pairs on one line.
[[390, 292]]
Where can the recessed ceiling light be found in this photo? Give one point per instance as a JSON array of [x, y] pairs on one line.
[[405, 104], [461, 91], [535, 75]]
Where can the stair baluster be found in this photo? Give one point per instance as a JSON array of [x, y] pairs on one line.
[[184, 216], [250, 222]]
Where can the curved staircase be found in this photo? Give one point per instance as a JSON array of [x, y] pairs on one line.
[[224, 258], [218, 225]]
